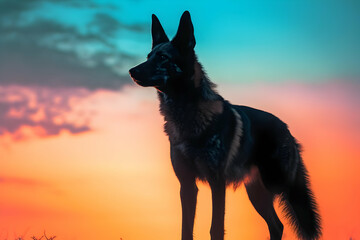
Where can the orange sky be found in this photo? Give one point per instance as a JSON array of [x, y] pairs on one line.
[[116, 180]]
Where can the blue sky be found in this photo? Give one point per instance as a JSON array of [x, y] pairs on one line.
[[237, 41], [266, 40]]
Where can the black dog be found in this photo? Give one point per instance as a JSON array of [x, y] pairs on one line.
[[215, 141]]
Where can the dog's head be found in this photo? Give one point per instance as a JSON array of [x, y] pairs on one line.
[[169, 61]]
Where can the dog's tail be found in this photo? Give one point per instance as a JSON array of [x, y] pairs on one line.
[[299, 204]]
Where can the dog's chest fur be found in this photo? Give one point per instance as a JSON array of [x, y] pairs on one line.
[[201, 131]]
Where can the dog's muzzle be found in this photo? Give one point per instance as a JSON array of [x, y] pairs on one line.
[[133, 72]]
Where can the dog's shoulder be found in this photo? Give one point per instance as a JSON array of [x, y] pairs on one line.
[[260, 120]]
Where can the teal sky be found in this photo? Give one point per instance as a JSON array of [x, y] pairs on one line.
[[265, 40], [237, 41]]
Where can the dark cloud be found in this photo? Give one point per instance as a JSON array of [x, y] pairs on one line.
[[45, 109], [39, 51], [109, 25], [32, 65], [105, 24], [42, 29], [45, 62], [16, 8]]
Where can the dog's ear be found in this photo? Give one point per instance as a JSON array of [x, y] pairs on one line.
[[184, 38], [157, 31]]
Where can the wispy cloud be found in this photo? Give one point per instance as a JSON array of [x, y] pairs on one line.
[[108, 25], [43, 111], [17, 8], [46, 62], [36, 50]]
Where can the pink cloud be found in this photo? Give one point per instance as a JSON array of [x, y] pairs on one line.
[[40, 111]]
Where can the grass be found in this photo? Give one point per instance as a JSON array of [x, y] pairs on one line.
[[43, 237]]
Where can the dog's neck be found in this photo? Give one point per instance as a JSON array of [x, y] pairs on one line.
[[196, 108], [200, 88]]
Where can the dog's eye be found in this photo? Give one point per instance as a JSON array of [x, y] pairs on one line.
[[163, 57]]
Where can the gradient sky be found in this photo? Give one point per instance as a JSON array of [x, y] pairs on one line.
[[254, 40], [82, 150]]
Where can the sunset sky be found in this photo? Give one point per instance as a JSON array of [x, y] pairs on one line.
[[82, 149]]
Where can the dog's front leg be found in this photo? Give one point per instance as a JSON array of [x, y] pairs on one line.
[[188, 190], [188, 194], [218, 189]]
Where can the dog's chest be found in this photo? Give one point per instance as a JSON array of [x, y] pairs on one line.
[[205, 156], [217, 151]]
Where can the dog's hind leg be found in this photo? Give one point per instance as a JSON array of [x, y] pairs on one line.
[[218, 189], [263, 200]]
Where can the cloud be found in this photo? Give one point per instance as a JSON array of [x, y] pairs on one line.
[[32, 65], [16, 8], [108, 25], [40, 51], [41, 112]]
